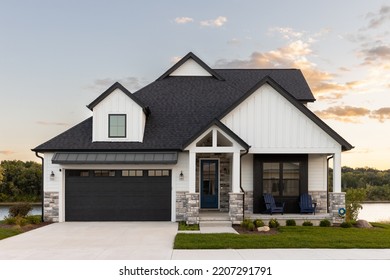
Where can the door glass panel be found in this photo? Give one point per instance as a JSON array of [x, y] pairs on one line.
[[209, 178], [271, 174], [291, 178]]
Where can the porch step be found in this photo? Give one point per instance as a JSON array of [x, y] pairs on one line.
[[213, 216]]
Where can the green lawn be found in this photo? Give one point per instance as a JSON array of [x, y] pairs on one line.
[[291, 237], [6, 232]]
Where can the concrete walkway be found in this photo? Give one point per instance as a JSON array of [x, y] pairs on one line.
[[146, 241]]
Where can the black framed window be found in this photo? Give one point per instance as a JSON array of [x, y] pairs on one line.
[[117, 125]]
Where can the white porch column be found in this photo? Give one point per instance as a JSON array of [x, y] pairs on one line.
[[337, 172], [236, 172], [192, 172]]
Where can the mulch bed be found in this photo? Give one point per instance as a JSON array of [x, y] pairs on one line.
[[242, 230]]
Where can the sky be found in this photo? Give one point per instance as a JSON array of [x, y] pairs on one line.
[[58, 56]]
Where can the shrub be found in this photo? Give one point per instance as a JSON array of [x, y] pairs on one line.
[[3, 197], [325, 223], [273, 223], [291, 223], [258, 223], [346, 224], [307, 224], [251, 226], [246, 222], [20, 209], [353, 200], [34, 219], [18, 220]]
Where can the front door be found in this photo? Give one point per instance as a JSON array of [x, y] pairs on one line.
[[209, 182]]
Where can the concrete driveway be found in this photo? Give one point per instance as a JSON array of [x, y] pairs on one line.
[[93, 241]]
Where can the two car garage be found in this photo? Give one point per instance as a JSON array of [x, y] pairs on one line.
[[118, 195]]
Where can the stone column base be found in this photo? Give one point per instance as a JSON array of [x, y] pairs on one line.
[[236, 207], [192, 209], [336, 201]]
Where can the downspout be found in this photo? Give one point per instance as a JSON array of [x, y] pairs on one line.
[[241, 188], [43, 177], [327, 182]]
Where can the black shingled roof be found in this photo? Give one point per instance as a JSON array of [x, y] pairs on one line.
[[181, 106]]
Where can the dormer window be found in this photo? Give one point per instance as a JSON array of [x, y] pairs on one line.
[[117, 126]]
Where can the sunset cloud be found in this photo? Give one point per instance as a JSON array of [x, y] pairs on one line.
[[218, 22], [7, 152], [52, 123], [183, 20], [379, 18], [343, 113], [381, 114], [131, 83]]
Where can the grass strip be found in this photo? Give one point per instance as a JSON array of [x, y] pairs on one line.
[[291, 237]]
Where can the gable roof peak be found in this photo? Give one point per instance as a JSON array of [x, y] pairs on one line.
[[192, 56], [111, 89]]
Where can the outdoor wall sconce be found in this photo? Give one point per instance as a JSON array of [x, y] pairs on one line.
[[181, 176], [52, 175]]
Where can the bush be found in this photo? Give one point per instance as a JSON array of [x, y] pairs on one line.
[[258, 223], [273, 223], [346, 224], [251, 227], [246, 222], [325, 223], [20, 209], [291, 223], [3, 197], [18, 220], [353, 200], [34, 219], [307, 224]]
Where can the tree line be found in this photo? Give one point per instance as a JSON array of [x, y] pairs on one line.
[[20, 181]]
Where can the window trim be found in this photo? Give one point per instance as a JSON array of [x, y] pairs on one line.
[[109, 126]]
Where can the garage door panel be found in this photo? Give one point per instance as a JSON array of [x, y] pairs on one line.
[[118, 198]]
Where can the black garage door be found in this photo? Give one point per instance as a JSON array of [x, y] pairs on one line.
[[118, 195]]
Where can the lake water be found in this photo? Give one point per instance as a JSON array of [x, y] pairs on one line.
[[37, 210], [375, 212]]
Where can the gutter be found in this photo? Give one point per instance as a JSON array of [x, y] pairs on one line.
[[327, 182], [43, 177], [241, 188]]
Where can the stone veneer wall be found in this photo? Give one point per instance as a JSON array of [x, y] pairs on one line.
[[322, 201], [248, 202], [181, 206], [236, 209], [192, 208], [51, 207], [336, 201]]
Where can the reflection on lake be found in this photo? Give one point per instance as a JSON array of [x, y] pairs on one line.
[[37, 210]]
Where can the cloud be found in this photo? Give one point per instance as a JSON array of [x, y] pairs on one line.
[[381, 114], [343, 113], [52, 123], [377, 53], [378, 19], [286, 32], [218, 22], [234, 41], [296, 54], [7, 152], [183, 20], [131, 83]]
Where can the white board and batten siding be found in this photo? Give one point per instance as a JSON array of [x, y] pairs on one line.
[[118, 103], [318, 166], [190, 68], [272, 124]]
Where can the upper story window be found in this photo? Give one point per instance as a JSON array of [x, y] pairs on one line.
[[117, 126]]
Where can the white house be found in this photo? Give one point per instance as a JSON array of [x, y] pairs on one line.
[[195, 139]]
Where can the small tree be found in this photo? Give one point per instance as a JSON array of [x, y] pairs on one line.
[[353, 200]]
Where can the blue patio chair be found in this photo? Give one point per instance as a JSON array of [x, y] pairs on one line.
[[306, 204], [271, 206]]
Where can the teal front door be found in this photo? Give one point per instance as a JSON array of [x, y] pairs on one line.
[[209, 182]]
